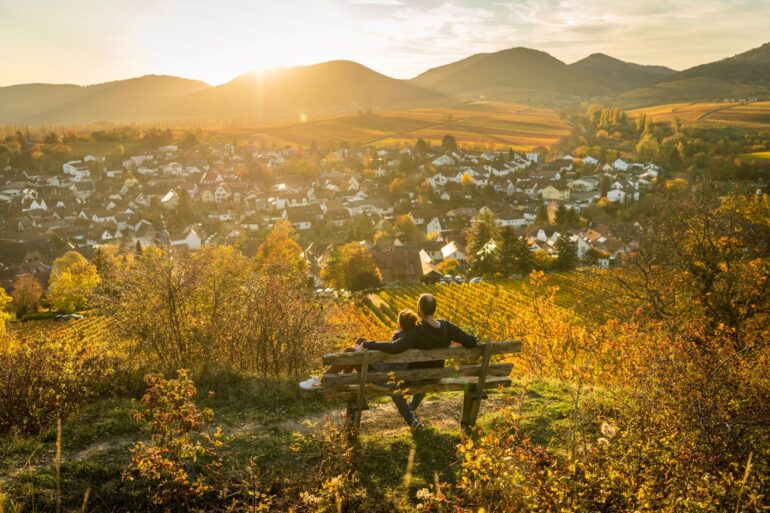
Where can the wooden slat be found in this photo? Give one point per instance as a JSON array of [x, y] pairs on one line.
[[444, 385], [418, 355], [337, 380]]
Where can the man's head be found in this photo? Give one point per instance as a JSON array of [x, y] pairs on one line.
[[426, 305]]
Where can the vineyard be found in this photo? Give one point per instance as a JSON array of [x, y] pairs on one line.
[[493, 308], [482, 124]]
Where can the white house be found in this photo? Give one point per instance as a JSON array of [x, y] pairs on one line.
[[76, 169], [616, 195], [434, 225], [189, 238], [620, 164], [444, 160], [453, 250]]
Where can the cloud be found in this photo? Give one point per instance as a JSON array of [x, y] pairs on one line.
[[678, 33]]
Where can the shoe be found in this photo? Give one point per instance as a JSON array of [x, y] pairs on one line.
[[310, 384]]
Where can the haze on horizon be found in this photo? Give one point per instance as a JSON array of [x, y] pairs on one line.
[[91, 41]]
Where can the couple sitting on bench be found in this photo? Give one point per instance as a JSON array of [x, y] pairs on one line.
[[428, 333]]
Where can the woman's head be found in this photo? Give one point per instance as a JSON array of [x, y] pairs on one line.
[[407, 319]]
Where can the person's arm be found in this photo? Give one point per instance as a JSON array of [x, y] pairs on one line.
[[395, 346], [456, 334]]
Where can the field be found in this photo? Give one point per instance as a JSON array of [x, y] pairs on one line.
[[748, 116], [474, 124], [761, 157]]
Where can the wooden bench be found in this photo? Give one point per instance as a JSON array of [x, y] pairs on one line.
[[474, 379]]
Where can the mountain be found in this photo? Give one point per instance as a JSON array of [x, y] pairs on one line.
[[688, 90], [512, 69], [620, 75], [135, 99], [744, 75], [326, 88], [748, 67]]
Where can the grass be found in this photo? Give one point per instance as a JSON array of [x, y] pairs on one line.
[[485, 124], [259, 418]]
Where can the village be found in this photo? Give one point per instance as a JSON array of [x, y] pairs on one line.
[[412, 206]]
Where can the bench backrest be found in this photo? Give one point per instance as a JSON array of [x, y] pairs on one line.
[[423, 355], [482, 370]]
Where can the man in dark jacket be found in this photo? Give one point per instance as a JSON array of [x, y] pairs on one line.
[[430, 333]]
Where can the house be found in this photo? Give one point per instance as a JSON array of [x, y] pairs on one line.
[[434, 225], [586, 184], [442, 161], [430, 273], [300, 219], [170, 200], [401, 266], [188, 237], [76, 169], [616, 195], [455, 251], [620, 165], [552, 193]]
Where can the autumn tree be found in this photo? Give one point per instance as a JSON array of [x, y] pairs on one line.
[[5, 315], [184, 309], [26, 294], [352, 267], [72, 283], [449, 266], [280, 255]]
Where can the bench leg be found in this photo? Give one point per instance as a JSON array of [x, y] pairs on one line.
[[471, 405], [352, 419], [467, 421]]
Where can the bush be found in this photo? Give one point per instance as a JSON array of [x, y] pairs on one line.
[[176, 465], [42, 379]]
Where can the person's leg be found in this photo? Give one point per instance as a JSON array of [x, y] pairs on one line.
[[403, 408], [338, 369], [416, 401]]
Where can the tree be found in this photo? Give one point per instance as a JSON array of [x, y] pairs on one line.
[[5, 316], [541, 216], [26, 294], [352, 267], [648, 148], [108, 263], [482, 248], [420, 146], [507, 254], [449, 266], [524, 260], [449, 143], [72, 283], [567, 252], [279, 255]]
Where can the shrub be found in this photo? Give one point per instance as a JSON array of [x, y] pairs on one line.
[[176, 465], [42, 379]]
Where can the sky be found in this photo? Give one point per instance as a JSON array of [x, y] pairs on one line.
[[91, 41]]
